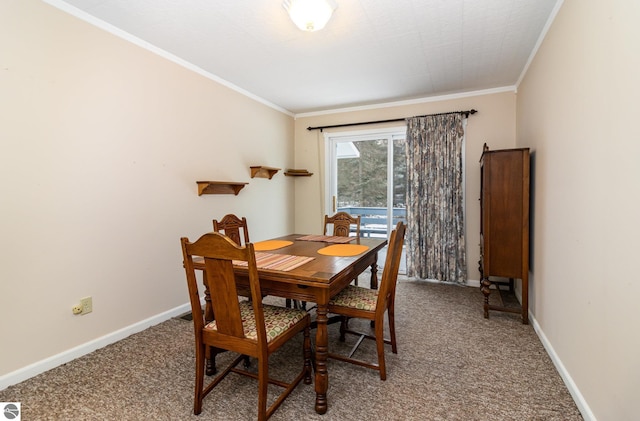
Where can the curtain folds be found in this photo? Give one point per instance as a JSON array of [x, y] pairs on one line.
[[435, 204]]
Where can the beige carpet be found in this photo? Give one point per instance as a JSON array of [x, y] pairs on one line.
[[452, 364]]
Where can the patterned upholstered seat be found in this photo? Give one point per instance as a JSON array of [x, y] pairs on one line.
[[356, 297], [277, 320]]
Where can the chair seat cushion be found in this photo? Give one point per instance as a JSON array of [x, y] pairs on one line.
[[356, 297], [277, 320]]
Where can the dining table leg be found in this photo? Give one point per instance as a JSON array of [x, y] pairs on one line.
[[322, 341], [374, 272]]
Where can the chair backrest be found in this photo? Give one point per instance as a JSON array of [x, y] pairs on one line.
[[230, 225], [342, 222], [219, 252], [387, 292]]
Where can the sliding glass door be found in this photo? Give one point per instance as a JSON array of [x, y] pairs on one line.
[[366, 176]]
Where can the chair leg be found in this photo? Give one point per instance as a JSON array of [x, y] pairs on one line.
[[197, 399], [392, 330], [289, 303], [343, 327], [380, 349], [211, 360], [263, 383]]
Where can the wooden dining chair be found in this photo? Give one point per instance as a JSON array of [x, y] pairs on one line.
[[230, 225], [245, 327], [370, 304], [235, 228], [342, 222]]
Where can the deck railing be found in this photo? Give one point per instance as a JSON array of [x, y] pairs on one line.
[[373, 220]]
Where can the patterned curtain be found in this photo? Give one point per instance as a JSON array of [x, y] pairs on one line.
[[435, 215]]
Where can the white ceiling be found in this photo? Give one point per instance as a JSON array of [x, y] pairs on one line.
[[370, 52]]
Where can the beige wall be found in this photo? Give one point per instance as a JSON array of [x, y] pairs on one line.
[[102, 143], [494, 124], [577, 108]]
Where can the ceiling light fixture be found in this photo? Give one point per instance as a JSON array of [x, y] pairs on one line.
[[310, 15]]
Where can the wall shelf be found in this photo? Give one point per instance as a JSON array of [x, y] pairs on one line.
[[263, 172], [298, 173], [219, 187]]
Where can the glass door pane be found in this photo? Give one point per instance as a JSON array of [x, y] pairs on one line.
[[362, 185]]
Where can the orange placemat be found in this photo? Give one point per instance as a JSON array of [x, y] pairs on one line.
[[271, 245], [343, 250]]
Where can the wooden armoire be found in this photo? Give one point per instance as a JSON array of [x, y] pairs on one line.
[[504, 227]]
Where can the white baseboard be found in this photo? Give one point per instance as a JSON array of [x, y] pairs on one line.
[[473, 283], [582, 405], [80, 350]]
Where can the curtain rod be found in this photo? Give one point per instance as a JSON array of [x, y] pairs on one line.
[[321, 128]]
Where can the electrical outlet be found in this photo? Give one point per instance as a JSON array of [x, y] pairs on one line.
[[87, 305], [77, 309]]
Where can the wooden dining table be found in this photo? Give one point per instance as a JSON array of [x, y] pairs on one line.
[[314, 281]]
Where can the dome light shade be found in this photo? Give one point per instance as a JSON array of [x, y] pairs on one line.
[[310, 15]]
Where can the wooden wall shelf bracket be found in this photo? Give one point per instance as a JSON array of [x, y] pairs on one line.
[[263, 172], [298, 173], [219, 187]]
